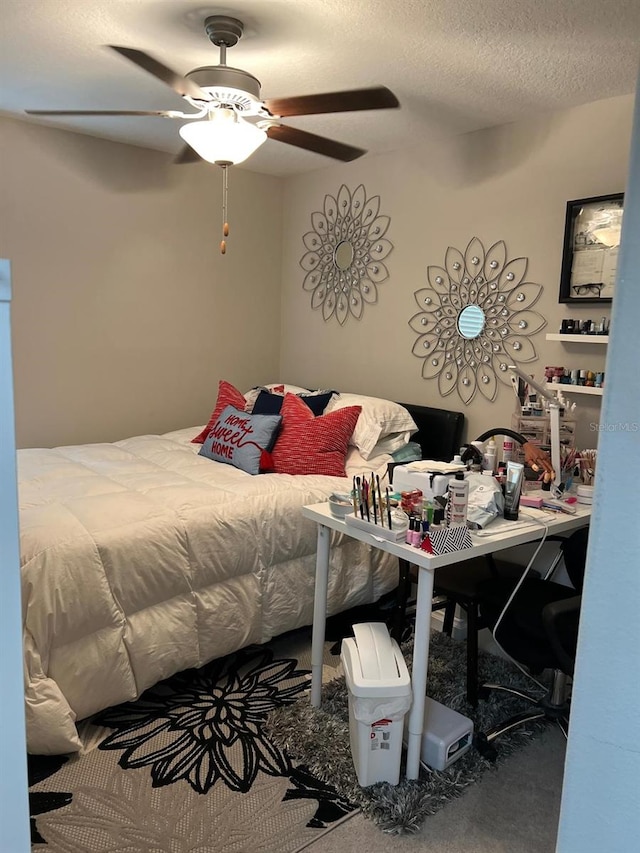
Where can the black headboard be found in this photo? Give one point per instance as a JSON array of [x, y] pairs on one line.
[[439, 431]]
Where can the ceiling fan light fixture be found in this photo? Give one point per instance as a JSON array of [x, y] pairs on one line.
[[223, 138]]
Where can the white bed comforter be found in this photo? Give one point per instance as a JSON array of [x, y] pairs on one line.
[[141, 559]]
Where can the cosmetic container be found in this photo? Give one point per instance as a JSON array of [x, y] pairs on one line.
[[458, 500], [507, 450], [512, 490], [489, 456]]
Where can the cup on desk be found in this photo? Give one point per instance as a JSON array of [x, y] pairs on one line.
[[587, 471]]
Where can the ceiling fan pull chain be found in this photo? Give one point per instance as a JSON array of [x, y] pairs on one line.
[[225, 192]]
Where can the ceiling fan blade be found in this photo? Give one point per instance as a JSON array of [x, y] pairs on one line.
[[376, 98], [182, 85], [187, 155], [312, 142], [166, 113]]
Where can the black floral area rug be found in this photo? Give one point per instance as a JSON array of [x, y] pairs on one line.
[[320, 737], [231, 758], [189, 768]]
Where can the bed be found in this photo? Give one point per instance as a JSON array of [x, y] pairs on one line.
[[145, 557]]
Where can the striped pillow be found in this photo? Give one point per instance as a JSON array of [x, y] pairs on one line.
[[313, 445]]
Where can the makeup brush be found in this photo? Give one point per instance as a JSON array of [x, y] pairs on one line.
[[373, 500], [365, 495], [380, 499]]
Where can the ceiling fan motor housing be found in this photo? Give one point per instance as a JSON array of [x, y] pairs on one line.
[[227, 85], [223, 30]]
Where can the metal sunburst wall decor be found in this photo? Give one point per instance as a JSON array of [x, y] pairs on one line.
[[345, 254], [475, 319]]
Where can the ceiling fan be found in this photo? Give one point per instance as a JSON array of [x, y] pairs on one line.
[[225, 97]]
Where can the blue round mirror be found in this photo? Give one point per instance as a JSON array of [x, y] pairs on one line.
[[471, 321]]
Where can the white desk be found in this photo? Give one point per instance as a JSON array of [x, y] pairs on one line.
[[499, 535]]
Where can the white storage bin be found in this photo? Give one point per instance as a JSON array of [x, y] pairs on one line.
[[379, 689], [446, 736]]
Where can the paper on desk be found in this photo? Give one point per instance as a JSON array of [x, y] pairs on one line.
[[437, 467], [501, 525]]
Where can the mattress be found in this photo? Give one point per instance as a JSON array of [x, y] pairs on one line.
[[141, 558]]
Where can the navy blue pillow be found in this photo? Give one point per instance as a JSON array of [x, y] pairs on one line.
[[270, 404]]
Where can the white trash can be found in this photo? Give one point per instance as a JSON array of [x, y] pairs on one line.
[[379, 688]]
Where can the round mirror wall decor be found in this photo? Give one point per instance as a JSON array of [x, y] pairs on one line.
[[471, 322], [475, 319], [346, 249]]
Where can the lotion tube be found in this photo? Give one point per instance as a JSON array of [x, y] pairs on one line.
[[513, 490]]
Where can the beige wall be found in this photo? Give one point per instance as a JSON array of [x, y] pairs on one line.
[[509, 183], [124, 314]]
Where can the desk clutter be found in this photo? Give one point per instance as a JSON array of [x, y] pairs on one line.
[[586, 460], [581, 377], [577, 467], [435, 523], [537, 430], [433, 505]]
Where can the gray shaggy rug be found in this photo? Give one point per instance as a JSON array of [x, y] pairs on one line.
[[319, 737]]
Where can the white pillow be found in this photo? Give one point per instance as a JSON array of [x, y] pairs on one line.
[[378, 419], [357, 466], [288, 389], [392, 442]]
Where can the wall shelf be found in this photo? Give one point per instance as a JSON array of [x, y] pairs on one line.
[[574, 389], [579, 339]]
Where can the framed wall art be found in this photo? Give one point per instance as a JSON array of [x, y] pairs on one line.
[[590, 252]]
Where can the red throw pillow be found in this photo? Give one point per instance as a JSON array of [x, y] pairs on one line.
[[228, 395], [313, 445]]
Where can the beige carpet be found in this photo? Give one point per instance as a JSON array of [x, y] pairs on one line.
[[513, 810]]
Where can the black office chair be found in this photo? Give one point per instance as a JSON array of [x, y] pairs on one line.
[[457, 586], [539, 630]]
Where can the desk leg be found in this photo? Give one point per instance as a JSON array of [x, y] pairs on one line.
[[402, 597], [419, 673], [319, 613]]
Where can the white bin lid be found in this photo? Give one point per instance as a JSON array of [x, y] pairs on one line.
[[373, 663]]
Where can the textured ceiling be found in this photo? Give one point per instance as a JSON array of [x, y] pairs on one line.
[[455, 65]]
